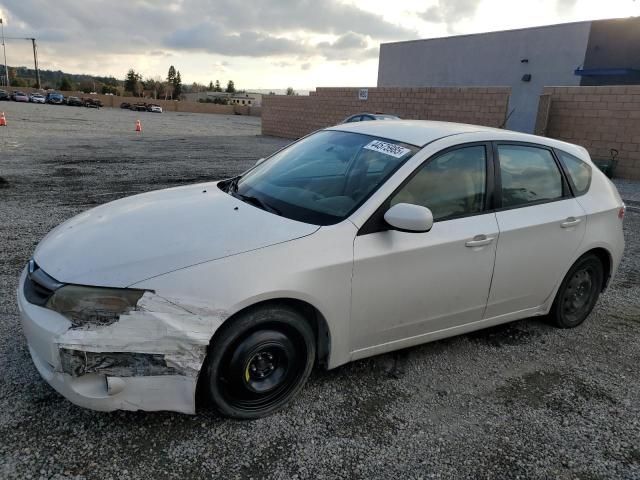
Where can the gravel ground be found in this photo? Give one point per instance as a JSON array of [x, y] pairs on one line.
[[523, 400]]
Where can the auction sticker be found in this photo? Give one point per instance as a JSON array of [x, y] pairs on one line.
[[392, 149]]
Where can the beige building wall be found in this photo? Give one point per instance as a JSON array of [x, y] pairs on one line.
[[599, 119]]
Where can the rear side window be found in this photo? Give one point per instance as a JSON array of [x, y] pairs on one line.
[[578, 171], [450, 185], [529, 175]]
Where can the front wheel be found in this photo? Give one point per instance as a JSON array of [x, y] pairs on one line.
[[259, 362], [578, 292]]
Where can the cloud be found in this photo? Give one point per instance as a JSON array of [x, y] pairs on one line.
[[565, 6], [319, 16], [305, 66], [450, 11], [213, 38], [350, 46], [282, 29]]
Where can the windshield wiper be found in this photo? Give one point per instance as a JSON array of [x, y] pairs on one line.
[[256, 202], [232, 187]]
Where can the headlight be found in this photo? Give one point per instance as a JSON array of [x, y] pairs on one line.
[[93, 305]]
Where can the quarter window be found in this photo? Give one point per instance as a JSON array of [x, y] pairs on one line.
[[578, 171], [528, 175], [450, 185]]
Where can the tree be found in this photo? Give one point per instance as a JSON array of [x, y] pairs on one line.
[[132, 82], [231, 88], [109, 89], [217, 87], [153, 85], [65, 85], [177, 86], [210, 86], [171, 76], [291, 91]]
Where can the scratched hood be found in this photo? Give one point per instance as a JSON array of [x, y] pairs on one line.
[[123, 242]]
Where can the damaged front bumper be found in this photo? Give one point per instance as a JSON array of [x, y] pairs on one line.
[[148, 360]]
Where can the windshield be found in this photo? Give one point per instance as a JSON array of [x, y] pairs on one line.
[[323, 178]]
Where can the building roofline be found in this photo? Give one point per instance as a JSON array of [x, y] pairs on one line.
[[510, 30]]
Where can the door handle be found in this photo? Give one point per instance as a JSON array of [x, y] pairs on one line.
[[570, 222], [479, 241]]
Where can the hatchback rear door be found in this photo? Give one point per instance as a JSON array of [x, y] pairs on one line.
[[541, 226]]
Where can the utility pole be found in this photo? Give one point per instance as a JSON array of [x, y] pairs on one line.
[[35, 55], [6, 69], [35, 62]]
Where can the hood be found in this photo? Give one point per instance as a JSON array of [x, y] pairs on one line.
[[123, 242]]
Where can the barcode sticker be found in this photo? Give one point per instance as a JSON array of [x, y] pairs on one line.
[[392, 149]]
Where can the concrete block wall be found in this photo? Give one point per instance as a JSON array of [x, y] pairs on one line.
[[599, 119], [296, 116]]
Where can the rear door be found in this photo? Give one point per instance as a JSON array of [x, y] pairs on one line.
[[541, 226]]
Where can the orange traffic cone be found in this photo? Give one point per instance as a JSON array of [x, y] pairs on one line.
[[138, 126], [3, 120]]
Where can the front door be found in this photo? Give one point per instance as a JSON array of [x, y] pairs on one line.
[[405, 284]]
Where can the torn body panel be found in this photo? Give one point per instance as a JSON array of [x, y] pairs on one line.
[[152, 354], [157, 326], [118, 364]]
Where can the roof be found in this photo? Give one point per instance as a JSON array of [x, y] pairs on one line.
[[422, 132], [413, 132]]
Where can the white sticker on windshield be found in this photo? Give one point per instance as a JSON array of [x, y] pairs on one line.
[[392, 149]]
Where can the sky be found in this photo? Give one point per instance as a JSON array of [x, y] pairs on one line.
[[260, 44]]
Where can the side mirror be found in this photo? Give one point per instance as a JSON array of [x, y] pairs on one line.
[[409, 218], [260, 160]]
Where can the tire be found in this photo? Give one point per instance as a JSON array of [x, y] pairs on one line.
[[259, 362], [578, 292]]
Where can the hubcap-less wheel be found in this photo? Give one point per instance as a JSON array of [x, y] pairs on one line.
[[259, 361], [261, 369], [578, 293]]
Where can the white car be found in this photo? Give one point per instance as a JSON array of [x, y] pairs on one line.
[[36, 98], [155, 108], [357, 240]]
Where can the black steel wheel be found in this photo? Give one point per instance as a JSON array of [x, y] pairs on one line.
[[578, 292], [259, 362]]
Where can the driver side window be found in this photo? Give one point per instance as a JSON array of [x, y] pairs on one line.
[[450, 185]]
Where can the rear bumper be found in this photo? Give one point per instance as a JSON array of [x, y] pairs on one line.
[[42, 327]]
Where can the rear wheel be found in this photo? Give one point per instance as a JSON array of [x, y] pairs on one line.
[[259, 362], [578, 292]]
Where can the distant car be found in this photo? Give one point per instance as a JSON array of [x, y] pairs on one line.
[[74, 102], [125, 105], [154, 108], [19, 97], [4, 95], [139, 107], [54, 98], [36, 98], [364, 117], [92, 103]]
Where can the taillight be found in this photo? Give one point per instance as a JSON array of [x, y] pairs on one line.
[[621, 212]]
